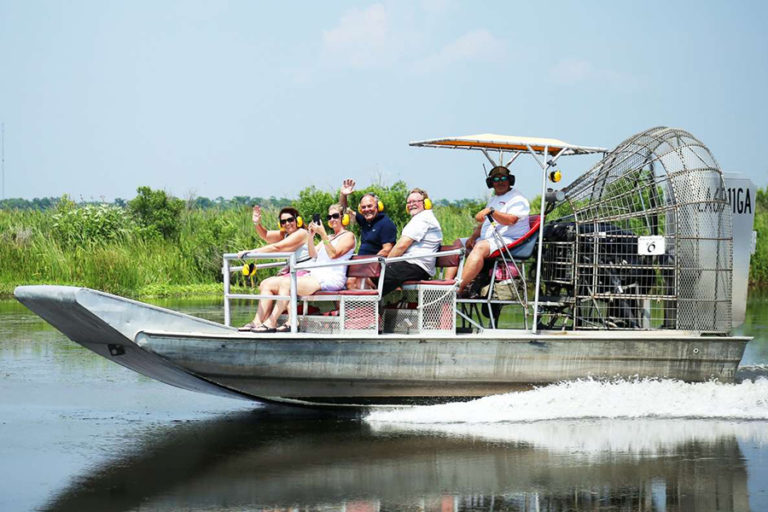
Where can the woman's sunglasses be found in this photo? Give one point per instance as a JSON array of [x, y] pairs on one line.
[[287, 220], [333, 216], [497, 179]]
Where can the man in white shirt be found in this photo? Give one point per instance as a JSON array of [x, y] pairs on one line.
[[509, 209], [422, 235]]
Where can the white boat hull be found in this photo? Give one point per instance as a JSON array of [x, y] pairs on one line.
[[203, 356]]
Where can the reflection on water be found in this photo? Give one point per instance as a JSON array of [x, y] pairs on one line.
[[278, 461], [80, 433]]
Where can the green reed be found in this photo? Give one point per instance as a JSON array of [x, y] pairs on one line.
[[119, 256]]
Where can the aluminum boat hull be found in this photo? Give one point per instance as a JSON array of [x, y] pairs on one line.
[[204, 356]]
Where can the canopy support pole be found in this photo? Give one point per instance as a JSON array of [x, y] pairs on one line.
[[545, 164]]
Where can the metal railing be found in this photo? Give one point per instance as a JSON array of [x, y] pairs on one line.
[[289, 259]]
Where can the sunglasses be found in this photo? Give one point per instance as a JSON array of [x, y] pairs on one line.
[[333, 216], [497, 179], [287, 220]]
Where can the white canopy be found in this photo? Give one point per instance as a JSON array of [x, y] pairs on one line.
[[485, 141]]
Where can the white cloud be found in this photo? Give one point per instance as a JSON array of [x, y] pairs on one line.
[[380, 36], [571, 71], [574, 71], [477, 45], [437, 6], [362, 39]]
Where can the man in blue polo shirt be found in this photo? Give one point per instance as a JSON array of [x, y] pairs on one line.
[[377, 231]]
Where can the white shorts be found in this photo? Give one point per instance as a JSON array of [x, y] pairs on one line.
[[329, 281], [492, 242]]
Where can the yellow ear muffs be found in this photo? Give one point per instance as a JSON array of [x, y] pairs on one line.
[[427, 204], [555, 176], [345, 220], [379, 207], [249, 269], [299, 224]]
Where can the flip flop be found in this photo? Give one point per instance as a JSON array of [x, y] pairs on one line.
[[247, 327], [261, 329], [283, 328]]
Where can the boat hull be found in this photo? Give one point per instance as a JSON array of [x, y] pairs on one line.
[[397, 368], [203, 356]]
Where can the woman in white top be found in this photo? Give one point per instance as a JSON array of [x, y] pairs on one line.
[[339, 246], [290, 238]]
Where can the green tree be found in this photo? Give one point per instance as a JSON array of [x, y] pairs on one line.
[[156, 213]]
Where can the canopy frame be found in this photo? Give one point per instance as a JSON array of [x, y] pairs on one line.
[[539, 149]]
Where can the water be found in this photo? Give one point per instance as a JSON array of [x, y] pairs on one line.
[[78, 433]]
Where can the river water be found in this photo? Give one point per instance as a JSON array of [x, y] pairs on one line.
[[78, 433]]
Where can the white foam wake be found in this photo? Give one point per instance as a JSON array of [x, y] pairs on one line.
[[592, 438], [590, 418], [641, 398]]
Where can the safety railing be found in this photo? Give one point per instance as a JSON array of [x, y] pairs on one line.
[[289, 259]]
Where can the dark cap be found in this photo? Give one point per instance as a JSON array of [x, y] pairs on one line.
[[499, 170]]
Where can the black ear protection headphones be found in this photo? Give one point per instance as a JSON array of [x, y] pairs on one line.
[[489, 179], [379, 204]]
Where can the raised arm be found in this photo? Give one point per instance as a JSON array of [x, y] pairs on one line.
[[347, 187], [288, 244]]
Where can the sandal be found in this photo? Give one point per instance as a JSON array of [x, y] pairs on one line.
[[247, 327], [283, 328], [261, 329]]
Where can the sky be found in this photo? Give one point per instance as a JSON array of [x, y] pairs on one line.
[[226, 98]]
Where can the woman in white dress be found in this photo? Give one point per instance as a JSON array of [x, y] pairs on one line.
[[339, 246]]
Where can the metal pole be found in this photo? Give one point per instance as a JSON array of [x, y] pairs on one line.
[[227, 312], [541, 239], [2, 151], [293, 306]]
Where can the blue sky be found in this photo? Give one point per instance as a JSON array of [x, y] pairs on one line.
[[266, 98]]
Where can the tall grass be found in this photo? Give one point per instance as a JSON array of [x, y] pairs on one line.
[[36, 248]]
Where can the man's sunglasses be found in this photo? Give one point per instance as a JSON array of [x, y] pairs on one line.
[[497, 179], [287, 220], [333, 216]]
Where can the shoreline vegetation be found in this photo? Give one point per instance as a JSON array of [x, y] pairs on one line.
[[155, 245]]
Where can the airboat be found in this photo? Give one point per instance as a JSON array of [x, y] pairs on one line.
[[627, 272]]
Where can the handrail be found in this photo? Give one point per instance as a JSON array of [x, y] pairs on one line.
[[228, 269], [422, 256]]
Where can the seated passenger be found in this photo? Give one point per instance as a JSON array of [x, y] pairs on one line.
[[377, 231], [290, 238], [422, 235], [509, 209], [339, 246]]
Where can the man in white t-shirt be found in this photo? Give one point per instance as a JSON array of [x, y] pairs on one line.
[[422, 235], [509, 209]]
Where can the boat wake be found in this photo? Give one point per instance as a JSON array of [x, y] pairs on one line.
[[590, 418], [588, 398]]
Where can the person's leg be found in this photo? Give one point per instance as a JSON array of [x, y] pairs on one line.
[[450, 272], [474, 263], [305, 285], [399, 272], [269, 286]]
